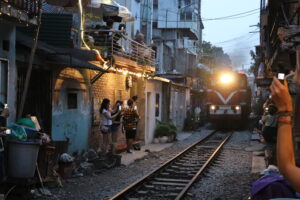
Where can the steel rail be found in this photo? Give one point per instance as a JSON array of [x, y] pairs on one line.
[[201, 170], [149, 175]]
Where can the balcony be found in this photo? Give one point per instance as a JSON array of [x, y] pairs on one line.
[[124, 51], [20, 11]]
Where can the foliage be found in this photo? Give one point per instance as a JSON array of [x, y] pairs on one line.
[[165, 129], [255, 64], [214, 56], [203, 76]]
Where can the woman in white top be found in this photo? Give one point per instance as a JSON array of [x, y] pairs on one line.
[[106, 123]]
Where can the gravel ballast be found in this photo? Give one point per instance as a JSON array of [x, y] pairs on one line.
[[228, 178]]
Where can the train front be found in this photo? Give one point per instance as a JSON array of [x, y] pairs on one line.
[[228, 97]]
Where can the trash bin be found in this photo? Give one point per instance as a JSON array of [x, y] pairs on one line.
[[22, 158]]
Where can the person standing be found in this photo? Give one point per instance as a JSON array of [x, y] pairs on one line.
[[269, 134], [106, 122], [4, 115], [116, 123], [130, 119], [285, 147]]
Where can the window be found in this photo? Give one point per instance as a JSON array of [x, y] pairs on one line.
[[157, 105], [186, 14], [72, 100], [5, 45], [264, 4]]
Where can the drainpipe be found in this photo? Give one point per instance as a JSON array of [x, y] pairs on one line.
[[31, 59]]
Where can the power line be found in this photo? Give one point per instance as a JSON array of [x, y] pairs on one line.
[[230, 17], [250, 47], [235, 15], [235, 38]]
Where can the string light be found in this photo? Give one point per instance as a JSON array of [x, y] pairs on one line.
[[126, 72]]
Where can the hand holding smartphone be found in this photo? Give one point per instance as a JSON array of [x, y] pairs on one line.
[[281, 77]]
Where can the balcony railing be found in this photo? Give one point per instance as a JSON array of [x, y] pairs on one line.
[[116, 44], [23, 10]]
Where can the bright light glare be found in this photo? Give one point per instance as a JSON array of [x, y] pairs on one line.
[[213, 107], [226, 78], [237, 107]]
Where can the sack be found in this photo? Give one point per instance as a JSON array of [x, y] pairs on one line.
[[104, 129]]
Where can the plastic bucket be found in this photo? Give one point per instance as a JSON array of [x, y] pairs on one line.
[[22, 158]]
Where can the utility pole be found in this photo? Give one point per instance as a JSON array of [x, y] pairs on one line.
[[167, 18]]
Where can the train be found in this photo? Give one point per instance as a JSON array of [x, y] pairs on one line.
[[228, 99]]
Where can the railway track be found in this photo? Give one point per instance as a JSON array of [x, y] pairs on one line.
[[173, 179]]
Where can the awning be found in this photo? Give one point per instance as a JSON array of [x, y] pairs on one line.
[[74, 58], [110, 8]]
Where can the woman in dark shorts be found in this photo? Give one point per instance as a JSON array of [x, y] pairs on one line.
[[130, 119]]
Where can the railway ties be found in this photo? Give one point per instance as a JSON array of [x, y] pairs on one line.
[[173, 179]]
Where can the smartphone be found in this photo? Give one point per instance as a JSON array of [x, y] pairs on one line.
[[7, 131], [120, 107], [281, 77]]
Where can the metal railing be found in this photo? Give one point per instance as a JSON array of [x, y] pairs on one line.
[[29, 6], [115, 43]]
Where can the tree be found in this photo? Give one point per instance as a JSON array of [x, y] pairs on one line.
[[214, 56], [255, 63]]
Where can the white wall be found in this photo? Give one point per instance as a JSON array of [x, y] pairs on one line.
[[8, 32], [152, 88], [135, 8]]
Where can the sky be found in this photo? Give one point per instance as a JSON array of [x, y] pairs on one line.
[[233, 35]]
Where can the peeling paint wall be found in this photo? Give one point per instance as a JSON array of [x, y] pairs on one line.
[[71, 109], [180, 102]]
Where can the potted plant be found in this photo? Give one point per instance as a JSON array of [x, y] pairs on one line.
[[165, 132]]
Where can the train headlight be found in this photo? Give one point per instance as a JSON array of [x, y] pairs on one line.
[[213, 107], [226, 78], [237, 108]]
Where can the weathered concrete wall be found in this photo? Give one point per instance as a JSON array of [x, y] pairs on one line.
[[180, 102], [71, 123], [8, 32]]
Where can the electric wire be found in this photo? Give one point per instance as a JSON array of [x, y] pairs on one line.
[[229, 17], [254, 11]]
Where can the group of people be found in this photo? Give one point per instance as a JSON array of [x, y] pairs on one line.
[[268, 130], [116, 119]]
